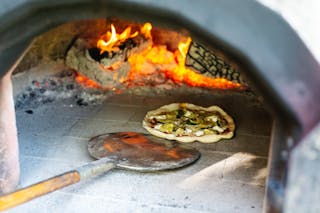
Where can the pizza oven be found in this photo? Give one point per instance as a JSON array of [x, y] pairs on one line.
[[84, 68]]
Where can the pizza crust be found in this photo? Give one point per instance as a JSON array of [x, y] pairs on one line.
[[187, 139]]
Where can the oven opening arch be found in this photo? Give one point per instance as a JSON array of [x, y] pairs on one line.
[[263, 78]]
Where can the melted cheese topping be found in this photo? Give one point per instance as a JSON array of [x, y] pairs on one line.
[[187, 122]]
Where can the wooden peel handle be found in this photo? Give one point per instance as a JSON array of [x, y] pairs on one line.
[[84, 172], [36, 190]]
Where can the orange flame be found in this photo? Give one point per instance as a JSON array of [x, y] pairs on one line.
[[157, 59], [87, 82], [183, 74], [146, 30], [111, 40], [184, 47]]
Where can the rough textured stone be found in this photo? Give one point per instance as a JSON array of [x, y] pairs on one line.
[[302, 194], [9, 159], [53, 45]]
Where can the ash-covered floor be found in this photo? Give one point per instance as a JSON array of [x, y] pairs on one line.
[[229, 177]]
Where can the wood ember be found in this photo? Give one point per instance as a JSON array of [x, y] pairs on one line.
[[109, 68], [155, 79]]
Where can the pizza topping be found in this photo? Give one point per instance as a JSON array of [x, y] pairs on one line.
[[199, 133], [218, 128], [167, 127], [208, 131], [179, 132], [159, 117], [153, 122], [213, 118], [222, 123], [188, 130], [188, 120], [158, 126], [180, 113], [188, 114]]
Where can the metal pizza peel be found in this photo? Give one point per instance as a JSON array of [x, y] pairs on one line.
[[124, 150]]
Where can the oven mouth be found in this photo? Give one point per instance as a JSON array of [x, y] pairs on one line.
[[270, 77], [51, 102]]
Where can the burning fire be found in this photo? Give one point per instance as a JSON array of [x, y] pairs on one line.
[[157, 58], [111, 40], [182, 74], [83, 80]]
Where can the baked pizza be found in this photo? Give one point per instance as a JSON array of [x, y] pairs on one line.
[[188, 122]]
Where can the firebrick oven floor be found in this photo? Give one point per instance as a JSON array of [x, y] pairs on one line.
[[229, 177]]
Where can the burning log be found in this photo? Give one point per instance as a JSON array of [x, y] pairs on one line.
[[109, 67]]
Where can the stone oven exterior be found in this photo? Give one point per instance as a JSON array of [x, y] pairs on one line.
[[277, 65]]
